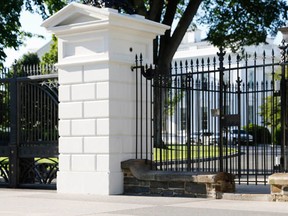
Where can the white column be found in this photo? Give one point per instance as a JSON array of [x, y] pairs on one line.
[[97, 94]]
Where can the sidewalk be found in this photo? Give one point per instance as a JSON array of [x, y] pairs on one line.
[[16, 202], [250, 193]]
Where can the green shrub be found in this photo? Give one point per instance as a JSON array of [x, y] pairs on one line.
[[261, 135]]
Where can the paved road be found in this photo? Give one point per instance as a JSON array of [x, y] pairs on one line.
[[49, 203]]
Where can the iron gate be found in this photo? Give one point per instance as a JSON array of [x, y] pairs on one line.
[[212, 115], [29, 127]]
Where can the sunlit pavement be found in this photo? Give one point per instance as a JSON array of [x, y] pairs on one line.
[[44, 202]]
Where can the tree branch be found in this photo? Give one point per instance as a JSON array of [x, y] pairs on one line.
[[170, 12], [156, 7], [171, 44], [139, 7]]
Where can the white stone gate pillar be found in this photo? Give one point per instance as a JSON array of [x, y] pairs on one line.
[[96, 49]]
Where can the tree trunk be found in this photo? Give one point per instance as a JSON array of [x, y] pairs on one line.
[[163, 55]]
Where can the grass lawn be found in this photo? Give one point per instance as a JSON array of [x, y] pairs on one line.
[[5, 160], [173, 152], [180, 152]]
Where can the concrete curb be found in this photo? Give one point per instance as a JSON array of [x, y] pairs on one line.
[[247, 197]]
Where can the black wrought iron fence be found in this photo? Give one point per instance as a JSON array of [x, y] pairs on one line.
[[28, 125], [210, 115]]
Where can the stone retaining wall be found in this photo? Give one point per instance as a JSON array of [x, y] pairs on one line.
[[140, 179], [279, 186]]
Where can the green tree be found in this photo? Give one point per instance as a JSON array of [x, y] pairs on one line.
[[231, 23], [29, 61], [11, 34], [51, 57], [270, 111]]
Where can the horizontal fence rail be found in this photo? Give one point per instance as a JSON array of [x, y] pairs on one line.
[[210, 115]]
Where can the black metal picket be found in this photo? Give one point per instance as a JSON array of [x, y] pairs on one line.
[[29, 126], [213, 115]]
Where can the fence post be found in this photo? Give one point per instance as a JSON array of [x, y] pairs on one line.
[[221, 69], [284, 120], [13, 144], [96, 49]]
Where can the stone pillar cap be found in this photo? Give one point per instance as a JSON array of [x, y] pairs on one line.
[[77, 16]]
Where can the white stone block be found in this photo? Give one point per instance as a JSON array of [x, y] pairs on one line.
[[71, 74], [129, 144], [83, 127], [122, 126], [96, 145], [83, 92], [102, 90], [103, 162], [116, 183], [84, 163], [96, 109], [102, 127], [115, 162], [64, 93], [122, 73], [65, 162], [111, 162], [116, 144], [122, 108], [96, 73], [99, 183], [70, 145], [119, 91], [64, 127], [83, 183], [83, 48], [70, 110]]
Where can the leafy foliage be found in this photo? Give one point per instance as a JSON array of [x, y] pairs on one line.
[[232, 23], [11, 35], [236, 23], [10, 25], [270, 110], [51, 57], [27, 60], [261, 135], [121, 5]]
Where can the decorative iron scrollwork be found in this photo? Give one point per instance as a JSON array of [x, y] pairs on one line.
[[4, 170], [39, 171]]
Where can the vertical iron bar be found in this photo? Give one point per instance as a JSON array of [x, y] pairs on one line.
[[248, 86], [146, 116], [13, 145], [221, 69], [152, 152], [188, 99], [283, 48], [136, 92]]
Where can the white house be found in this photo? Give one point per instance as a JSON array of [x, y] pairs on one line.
[[200, 58]]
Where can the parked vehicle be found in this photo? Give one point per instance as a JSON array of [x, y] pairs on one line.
[[231, 137], [245, 137]]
